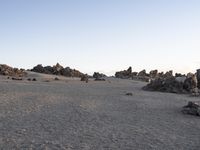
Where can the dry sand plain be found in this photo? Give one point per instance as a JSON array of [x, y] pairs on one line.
[[74, 115]]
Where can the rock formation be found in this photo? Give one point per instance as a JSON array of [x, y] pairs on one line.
[[169, 83], [57, 70], [98, 75], [9, 71], [153, 73], [124, 74]]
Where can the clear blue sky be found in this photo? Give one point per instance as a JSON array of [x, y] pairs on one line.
[[101, 35]]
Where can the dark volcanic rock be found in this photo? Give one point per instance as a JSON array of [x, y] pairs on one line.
[[190, 83], [99, 79], [192, 108], [124, 74], [142, 73], [57, 70], [84, 78], [165, 85], [98, 75], [9, 71], [153, 73], [169, 83]]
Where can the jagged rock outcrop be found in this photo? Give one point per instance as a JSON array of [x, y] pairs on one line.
[[9, 71], [142, 73], [153, 73], [98, 75], [190, 83], [57, 70], [124, 74], [179, 75], [169, 83], [165, 85]]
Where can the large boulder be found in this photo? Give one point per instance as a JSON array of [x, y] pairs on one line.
[[142, 73], [190, 83], [153, 73], [124, 74], [165, 85], [98, 75], [39, 68]]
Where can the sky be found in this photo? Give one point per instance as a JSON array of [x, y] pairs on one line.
[[101, 35]]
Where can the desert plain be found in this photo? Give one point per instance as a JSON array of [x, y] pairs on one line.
[[68, 114]]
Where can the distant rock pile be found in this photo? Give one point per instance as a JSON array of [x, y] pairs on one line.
[[192, 108], [99, 76], [9, 71], [57, 70], [128, 74], [124, 74], [169, 83]]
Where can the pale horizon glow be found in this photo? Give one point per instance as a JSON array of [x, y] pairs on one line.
[[101, 35]]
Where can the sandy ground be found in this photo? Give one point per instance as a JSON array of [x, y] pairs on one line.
[[74, 115]]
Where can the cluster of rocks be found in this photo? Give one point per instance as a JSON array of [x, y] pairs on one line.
[[192, 108], [174, 84], [124, 74], [57, 70], [129, 74], [9, 71], [99, 76]]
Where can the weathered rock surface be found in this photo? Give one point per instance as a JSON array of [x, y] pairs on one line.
[[124, 74], [153, 73], [169, 83], [9, 71], [57, 70], [198, 78], [165, 85], [98, 75], [84, 78], [142, 73], [192, 108]]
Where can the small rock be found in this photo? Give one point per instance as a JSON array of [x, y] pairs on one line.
[[129, 94], [192, 108], [56, 78]]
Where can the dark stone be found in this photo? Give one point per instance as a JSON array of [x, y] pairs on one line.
[[165, 85], [124, 74], [16, 78], [129, 94], [84, 78], [198, 78], [56, 78], [57, 70], [98, 75], [153, 73], [192, 108], [99, 79], [34, 79]]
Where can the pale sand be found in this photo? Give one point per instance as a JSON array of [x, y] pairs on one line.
[[70, 114]]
